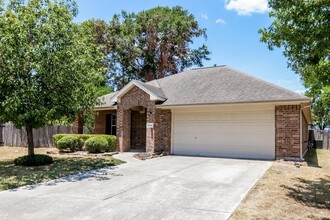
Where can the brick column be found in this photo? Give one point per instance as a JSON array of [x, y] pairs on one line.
[[163, 131], [287, 131], [150, 136], [123, 129]]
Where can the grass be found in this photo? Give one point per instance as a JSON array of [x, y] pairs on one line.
[[12, 176], [287, 191]]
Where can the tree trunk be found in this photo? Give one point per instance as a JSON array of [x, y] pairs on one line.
[[80, 123], [29, 133]]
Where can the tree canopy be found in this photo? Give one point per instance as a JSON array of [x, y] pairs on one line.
[[149, 45], [302, 29], [48, 69]]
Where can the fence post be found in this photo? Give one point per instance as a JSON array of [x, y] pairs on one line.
[[2, 143]]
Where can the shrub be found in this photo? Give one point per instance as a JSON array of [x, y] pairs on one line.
[[96, 145], [84, 137], [34, 160], [111, 142], [70, 142], [57, 137]]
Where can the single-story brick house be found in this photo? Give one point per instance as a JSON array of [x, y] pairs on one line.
[[216, 111]]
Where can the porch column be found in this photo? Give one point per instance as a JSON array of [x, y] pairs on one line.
[[123, 129], [150, 136]]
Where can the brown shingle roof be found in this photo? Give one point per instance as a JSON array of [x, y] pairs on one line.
[[214, 85], [220, 84]]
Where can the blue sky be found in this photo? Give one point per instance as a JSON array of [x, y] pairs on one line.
[[232, 30]]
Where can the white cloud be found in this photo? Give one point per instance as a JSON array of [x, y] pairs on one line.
[[220, 21], [205, 16], [247, 7]]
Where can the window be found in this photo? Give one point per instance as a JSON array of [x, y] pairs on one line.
[[111, 124]]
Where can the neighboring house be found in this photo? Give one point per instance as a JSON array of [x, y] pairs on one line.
[[215, 111]]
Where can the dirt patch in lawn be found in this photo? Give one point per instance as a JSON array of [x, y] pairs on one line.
[[12, 176], [288, 191], [147, 156], [10, 153]]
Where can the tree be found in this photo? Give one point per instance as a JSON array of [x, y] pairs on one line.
[[48, 71], [302, 29], [320, 106], [152, 44], [96, 31]]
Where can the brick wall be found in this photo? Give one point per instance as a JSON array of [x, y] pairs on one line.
[[100, 121], [138, 129], [99, 124], [157, 138], [133, 98], [287, 131], [163, 133], [77, 125]]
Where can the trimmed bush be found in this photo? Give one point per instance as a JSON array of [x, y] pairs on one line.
[[34, 160], [70, 142], [57, 137], [96, 145], [111, 142], [84, 137]]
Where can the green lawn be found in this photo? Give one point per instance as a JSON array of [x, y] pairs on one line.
[[12, 176]]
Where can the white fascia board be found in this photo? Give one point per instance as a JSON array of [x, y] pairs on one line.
[[294, 102]]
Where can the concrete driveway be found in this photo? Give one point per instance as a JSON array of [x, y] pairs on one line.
[[172, 187]]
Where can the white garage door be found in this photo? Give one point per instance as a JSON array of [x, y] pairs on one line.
[[225, 132]]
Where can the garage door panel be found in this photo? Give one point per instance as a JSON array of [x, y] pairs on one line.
[[226, 151], [196, 127], [215, 139], [235, 133], [225, 116], [223, 128]]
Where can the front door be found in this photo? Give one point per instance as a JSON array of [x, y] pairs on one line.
[[138, 130]]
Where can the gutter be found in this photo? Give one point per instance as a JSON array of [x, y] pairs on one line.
[[282, 102], [300, 133]]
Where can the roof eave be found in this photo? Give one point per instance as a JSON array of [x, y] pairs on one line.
[[308, 114], [282, 102], [103, 108]]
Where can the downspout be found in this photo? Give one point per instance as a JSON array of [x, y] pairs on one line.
[[301, 140], [301, 156], [172, 132]]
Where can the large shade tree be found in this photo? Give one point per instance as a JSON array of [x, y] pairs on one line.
[[48, 70], [150, 44], [302, 29], [96, 32]]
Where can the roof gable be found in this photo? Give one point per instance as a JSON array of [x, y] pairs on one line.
[[155, 93]]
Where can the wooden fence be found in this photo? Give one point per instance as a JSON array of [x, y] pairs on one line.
[[324, 136], [42, 137]]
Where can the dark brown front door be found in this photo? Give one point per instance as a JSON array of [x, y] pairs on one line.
[[138, 130]]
